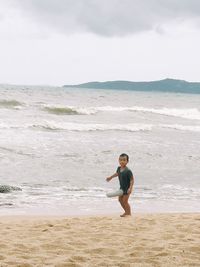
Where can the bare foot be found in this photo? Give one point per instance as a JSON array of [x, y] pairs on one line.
[[125, 215]]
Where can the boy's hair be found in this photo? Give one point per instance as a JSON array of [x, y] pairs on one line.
[[124, 155]]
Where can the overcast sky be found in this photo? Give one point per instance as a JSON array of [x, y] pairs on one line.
[[58, 42]]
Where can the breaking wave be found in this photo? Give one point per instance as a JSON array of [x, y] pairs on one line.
[[61, 110], [190, 113], [13, 104], [93, 127], [70, 126]]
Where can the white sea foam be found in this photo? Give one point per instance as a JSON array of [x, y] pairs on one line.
[[189, 113], [192, 113], [93, 127], [70, 126], [192, 128]]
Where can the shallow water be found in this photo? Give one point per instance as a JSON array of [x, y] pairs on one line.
[[60, 144]]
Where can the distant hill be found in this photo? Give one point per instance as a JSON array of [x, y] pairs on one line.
[[166, 85]]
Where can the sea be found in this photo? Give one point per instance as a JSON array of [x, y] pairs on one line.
[[58, 145]]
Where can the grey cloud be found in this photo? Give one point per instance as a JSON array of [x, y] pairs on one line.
[[108, 17]]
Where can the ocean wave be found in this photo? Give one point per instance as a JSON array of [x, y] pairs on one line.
[[69, 110], [7, 204], [12, 104], [167, 192], [86, 127], [61, 110], [14, 126], [191, 128], [93, 127], [178, 192], [190, 113], [8, 188]]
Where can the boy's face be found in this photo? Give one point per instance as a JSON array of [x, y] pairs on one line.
[[123, 161]]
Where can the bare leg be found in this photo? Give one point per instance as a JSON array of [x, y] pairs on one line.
[[122, 204], [126, 205]]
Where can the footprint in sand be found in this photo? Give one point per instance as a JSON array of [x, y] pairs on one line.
[[162, 254], [45, 230]]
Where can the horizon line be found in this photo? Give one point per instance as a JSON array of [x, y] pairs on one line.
[[51, 85]]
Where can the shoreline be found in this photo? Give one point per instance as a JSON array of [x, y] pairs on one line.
[[90, 215], [144, 239], [106, 207]]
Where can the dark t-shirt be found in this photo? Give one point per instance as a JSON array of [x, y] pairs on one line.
[[124, 178]]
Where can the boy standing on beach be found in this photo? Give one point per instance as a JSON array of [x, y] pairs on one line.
[[126, 181]]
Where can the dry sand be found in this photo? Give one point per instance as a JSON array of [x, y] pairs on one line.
[[141, 240]]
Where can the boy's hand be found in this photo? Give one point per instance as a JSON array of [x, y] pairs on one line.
[[129, 190], [108, 179]]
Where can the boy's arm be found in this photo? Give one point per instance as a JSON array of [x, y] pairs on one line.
[[112, 176], [131, 184]]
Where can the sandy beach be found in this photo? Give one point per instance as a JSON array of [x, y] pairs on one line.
[[170, 239]]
